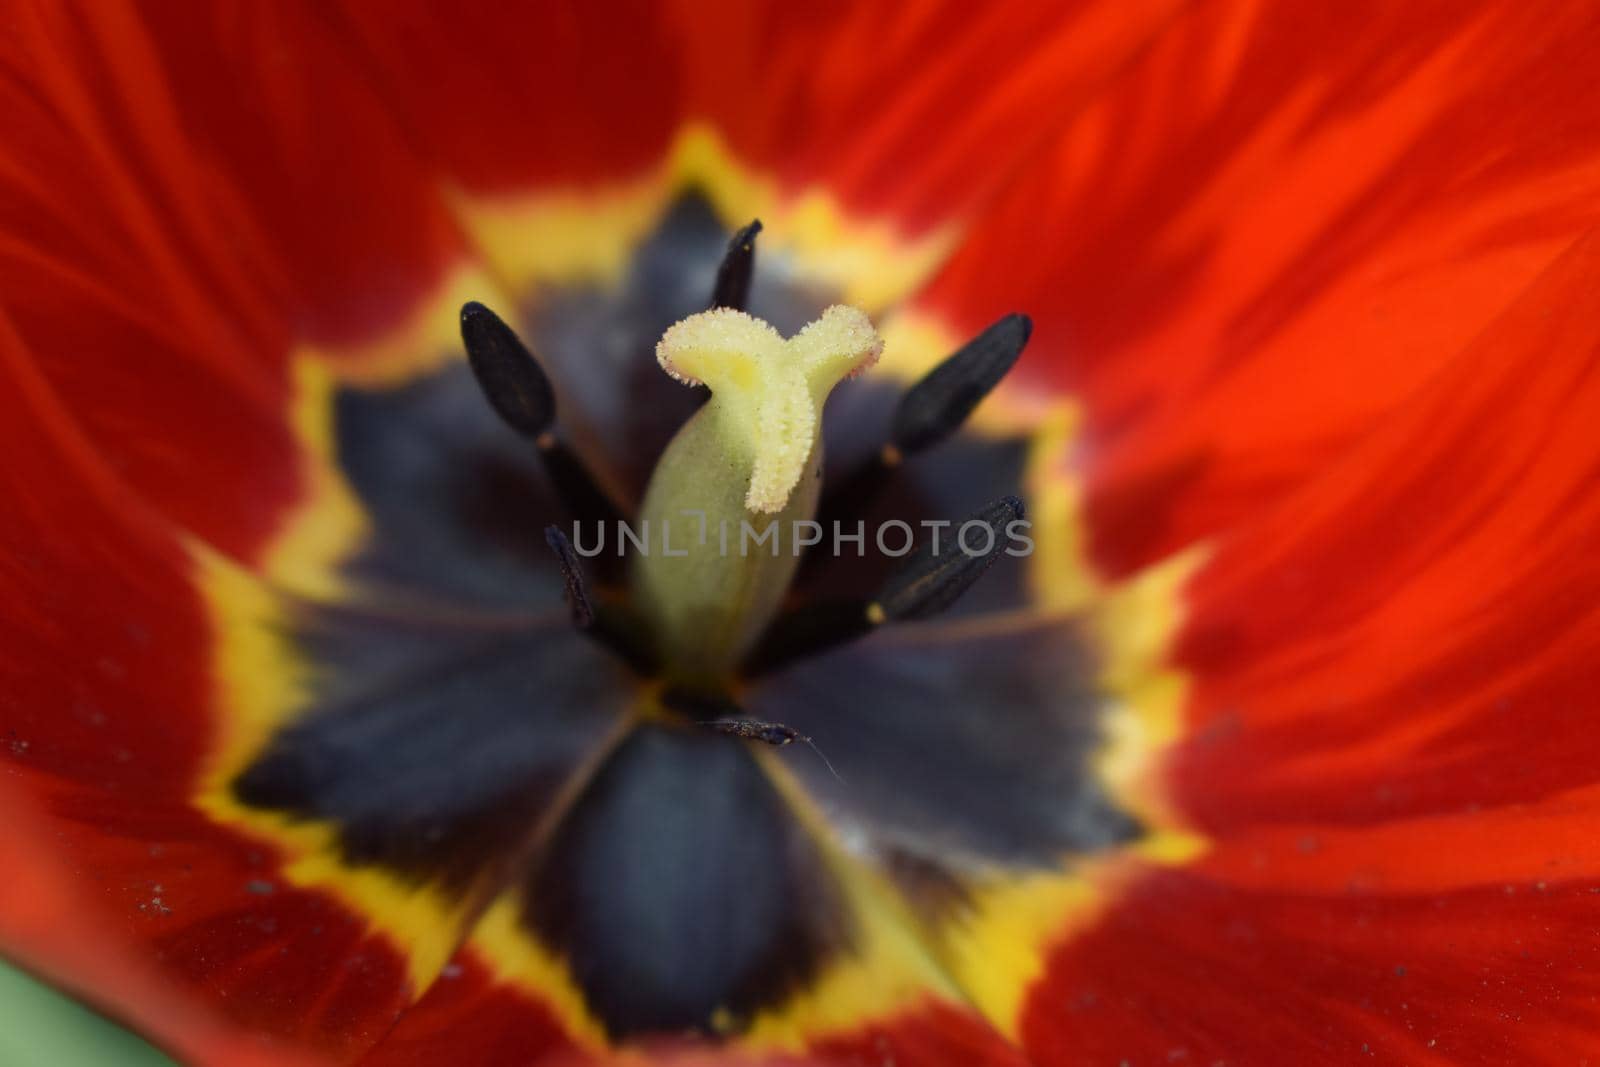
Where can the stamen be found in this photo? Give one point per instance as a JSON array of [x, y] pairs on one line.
[[930, 581], [572, 575], [511, 379], [521, 394], [930, 411], [936, 406], [736, 270], [927, 583]]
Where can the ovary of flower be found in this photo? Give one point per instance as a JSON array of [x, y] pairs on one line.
[[769, 391]]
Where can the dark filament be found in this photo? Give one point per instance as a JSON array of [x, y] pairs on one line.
[[572, 575], [936, 575], [577, 488], [925, 584]]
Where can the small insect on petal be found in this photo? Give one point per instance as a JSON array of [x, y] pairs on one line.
[[771, 733]]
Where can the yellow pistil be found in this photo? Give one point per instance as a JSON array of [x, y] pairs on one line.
[[770, 390], [749, 460]]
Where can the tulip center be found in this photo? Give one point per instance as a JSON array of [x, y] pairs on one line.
[[732, 504], [593, 795]]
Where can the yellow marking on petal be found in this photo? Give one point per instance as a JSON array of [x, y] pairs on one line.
[[913, 344], [426, 340], [1135, 622], [564, 238], [561, 237], [996, 946], [888, 972], [330, 523], [999, 944], [1170, 847], [262, 684], [1059, 577], [516, 956]]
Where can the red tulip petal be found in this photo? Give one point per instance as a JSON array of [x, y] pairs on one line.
[[343, 206], [181, 210], [106, 707], [48, 923], [519, 96], [889, 107], [276, 197], [1276, 226], [1412, 633], [849, 131], [917, 112], [1388, 745], [468, 1017], [1190, 970], [162, 364]]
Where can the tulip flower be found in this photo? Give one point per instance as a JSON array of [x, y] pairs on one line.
[[1175, 428]]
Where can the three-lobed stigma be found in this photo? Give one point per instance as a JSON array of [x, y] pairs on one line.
[[767, 392]]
